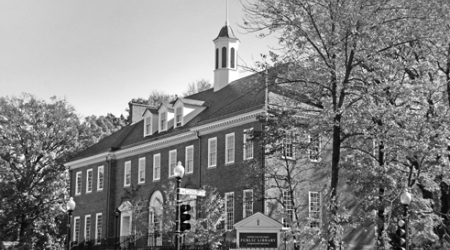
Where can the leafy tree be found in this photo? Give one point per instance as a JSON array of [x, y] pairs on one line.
[[197, 86], [36, 138], [332, 50]]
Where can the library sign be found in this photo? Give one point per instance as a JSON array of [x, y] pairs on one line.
[[260, 240]]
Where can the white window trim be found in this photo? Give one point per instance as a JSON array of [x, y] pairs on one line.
[[100, 169], [122, 215], [156, 156], [285, 209], [245, 147], [209, 152], [182, 118], [75, 229], [226, 209], [320, 149], [141, 165], [174, 151], [293, 141], [320, 206], [87, 180], [126, 165], [78, 178], [97, 240], [162, 127], [226, 148], [85, 227], [186, 159], [244, 212], [147, 121]]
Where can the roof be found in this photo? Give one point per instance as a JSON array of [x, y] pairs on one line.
[[241, 96], [226, 32]]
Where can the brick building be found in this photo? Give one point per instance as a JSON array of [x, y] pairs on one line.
[[208, 133]]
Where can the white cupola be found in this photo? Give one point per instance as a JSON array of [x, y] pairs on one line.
[[226, 55]]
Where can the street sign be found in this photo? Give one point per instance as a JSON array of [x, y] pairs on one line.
[[195, 192]]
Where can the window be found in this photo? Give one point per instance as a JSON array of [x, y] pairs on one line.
[[76, 229], [127, 174], [248, 202], [98, 228], [229, 208], [288, 208], [162, 118], [232, 56], [217, 58], [78, 184], [87, 228], [212, 152], [288, 146], [172, 162], [314, 147], [156, 166], [141, 176], [89, 176], [229, 148], [100, 178], [179, 116], [148, 126], [224, 57], [248, 147], [189, 159], [314, 209]]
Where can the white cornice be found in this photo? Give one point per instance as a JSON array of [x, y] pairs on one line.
[[228, 123], [168, 141]]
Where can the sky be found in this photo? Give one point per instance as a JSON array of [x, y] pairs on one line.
[[100, 54]]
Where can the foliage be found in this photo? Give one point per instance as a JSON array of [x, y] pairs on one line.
[[367, 65], [197, 86], [36, 139]]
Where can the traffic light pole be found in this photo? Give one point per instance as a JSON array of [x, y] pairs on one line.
[[405, 215], [177, 214]]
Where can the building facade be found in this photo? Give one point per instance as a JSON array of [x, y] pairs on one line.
[[218, 136]]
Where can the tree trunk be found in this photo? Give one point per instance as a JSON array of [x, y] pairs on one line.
[[333, 223]]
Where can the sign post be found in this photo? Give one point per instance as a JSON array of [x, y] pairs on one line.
[[195, 192]]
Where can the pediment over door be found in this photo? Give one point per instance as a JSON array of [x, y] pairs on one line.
[[258, 222]]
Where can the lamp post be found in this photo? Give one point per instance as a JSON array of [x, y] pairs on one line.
[[117, 234], [70, 207], [285, 230], [405, 199], [178, 172]]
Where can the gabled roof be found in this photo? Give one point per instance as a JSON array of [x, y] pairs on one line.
[[190, 102], [241, 96]]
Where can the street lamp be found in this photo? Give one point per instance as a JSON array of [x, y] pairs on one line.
[[178, 171], [70, 207], [117, 234], [285, 230], [405, 199]]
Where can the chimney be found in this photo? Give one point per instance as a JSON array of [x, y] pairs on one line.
[[136, 111]]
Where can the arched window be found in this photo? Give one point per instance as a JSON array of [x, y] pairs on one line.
[[217, 58], [155, 213], [224, 57], [232, 58]]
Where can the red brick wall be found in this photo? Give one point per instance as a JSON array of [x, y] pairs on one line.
[[227, 178]]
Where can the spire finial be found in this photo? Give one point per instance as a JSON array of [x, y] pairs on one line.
[[226, 12]]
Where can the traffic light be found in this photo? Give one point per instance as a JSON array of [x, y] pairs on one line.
[[185, 217], [401, 233]]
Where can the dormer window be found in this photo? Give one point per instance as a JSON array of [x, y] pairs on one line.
[[163, 121], [148, 126], [179, 116]]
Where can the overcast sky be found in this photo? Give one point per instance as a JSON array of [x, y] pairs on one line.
[[100, 54]]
